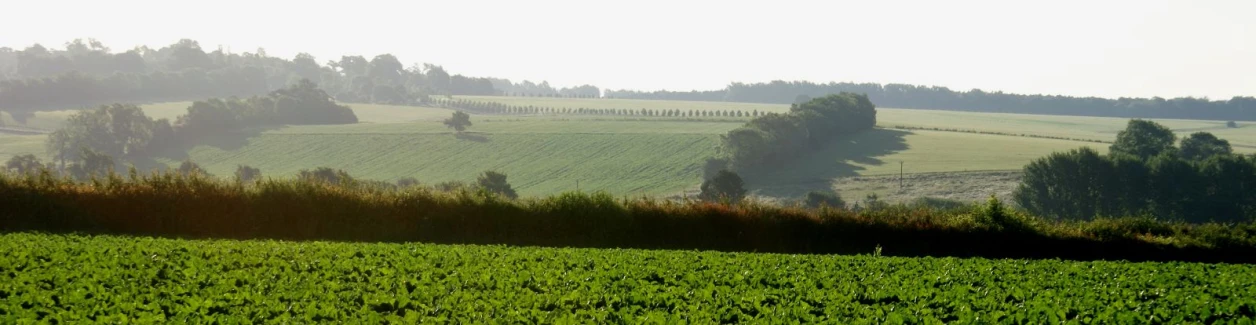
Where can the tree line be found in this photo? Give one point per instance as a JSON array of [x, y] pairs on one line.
[[976, 100], [1146, 172], [91, 139], [486, 107], [775, 138], [88, 73]]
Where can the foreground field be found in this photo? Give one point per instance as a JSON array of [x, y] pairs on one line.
[[54, 278]]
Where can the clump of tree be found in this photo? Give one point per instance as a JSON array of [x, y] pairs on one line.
[[326, 175], [1143, 174], [459, 121], [24, 164], [188, 168], [406, 182], [123, 131], [495, 182], [774, 138], [725, 185], [246, 173], [819, 199]]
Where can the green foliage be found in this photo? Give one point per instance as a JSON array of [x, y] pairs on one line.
[[725, 185], [1204, 183], [1231, 124], [776, 138], [1143, 139], [325, 175], [405, 182], [246, 174], [23, 164], [495, 182], [994, 215], [459, 121], [816, 199], [1203, 145], [188, 167], [138, 279]]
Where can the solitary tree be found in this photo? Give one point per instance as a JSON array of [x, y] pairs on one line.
[[23, 164], [725, 185], [495, 182], [1231, 124], [244, 173], [816, 199], [459, 122], [407, 182], [1143, 139], [188, 168], [1202, 145]]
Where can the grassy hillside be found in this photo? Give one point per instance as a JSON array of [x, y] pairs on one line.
[[631, 155]]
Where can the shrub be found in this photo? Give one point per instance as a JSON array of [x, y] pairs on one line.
[[817, 199], [725, 185], [244, 173], [495, 182], [405, 182]]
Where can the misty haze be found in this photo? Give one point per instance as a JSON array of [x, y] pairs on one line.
[[628, 162]]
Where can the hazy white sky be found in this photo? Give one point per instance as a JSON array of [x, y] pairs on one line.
[[1102, 48]]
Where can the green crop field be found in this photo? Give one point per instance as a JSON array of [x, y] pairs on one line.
[[62, 278]]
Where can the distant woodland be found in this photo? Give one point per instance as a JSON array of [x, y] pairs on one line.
[[976, 100], [87, 73]]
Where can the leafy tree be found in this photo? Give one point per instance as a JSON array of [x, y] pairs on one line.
[[1203, 145], [495, 182], [725, 185], [803, 98], [246, 173], [405, 182], [24, 164], [325, 175], [1143, 139], [190, 168], [817, 199], [459, 121], [92, 163], [1231, 124]]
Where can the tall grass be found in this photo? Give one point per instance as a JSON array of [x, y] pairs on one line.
[[196, 206]]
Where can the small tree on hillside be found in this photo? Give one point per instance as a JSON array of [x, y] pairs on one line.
[[24, 164], [407, 182], [245, 173], [325, 174], [188, 168], [459, 121], [725, 185], [817, 199], [1231, 124], [495, 182]]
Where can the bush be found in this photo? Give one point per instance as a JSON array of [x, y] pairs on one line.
[[725, 185], [405, 182], [1231, 124], [244, 173], [817, 199], [325, 175], [496, 183]]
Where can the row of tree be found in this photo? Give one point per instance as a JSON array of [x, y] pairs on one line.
[[500, 108], [88, 73], [776, 138], [1144, 173], [942, 98], [124, 131]]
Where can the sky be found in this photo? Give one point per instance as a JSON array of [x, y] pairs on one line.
[[1110, 49]]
